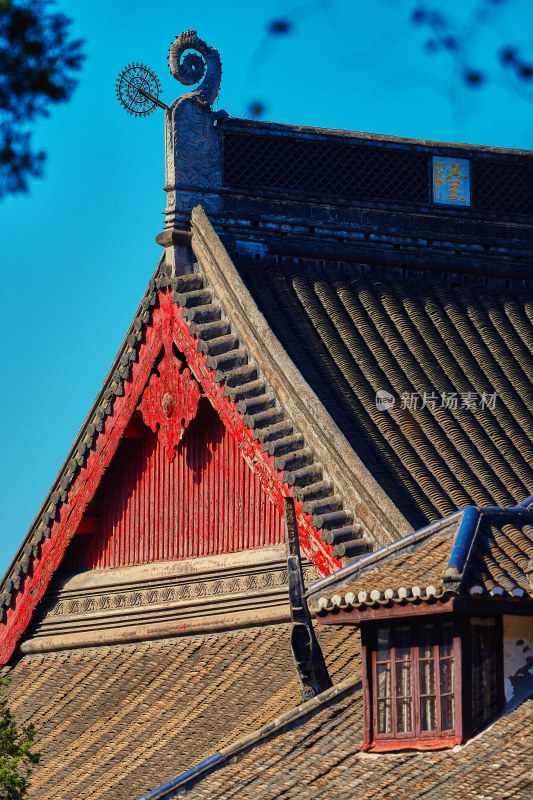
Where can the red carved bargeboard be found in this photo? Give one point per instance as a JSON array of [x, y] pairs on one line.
[[166, 316]]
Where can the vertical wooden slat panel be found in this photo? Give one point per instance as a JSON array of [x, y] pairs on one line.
[[181, 494], [239, 505], [195, 512], [220, 495], [228, 507], [207, 500]]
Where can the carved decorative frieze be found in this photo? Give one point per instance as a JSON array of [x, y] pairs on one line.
[[160, 595], [92, 603]]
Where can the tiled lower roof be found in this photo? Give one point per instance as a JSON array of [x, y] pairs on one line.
[[352, 332], [406, 577], [479, 552], [113, 722], [321, 758]]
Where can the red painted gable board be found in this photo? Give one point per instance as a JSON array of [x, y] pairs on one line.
[[206, 500]]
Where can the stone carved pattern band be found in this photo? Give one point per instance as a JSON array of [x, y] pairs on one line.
[[180, 592]]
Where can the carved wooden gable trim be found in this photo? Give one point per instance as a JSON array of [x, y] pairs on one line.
[[170, 401], [167, 410]]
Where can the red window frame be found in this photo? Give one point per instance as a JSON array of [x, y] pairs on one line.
[[401, 675]]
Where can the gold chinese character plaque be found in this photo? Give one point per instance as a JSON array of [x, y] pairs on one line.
[[451, 181]]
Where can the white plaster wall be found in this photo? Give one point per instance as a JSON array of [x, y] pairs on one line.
[[517, 656]]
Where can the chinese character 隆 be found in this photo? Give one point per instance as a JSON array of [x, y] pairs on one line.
[[451, 180]]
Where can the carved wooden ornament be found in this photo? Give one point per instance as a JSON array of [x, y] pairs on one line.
[[170, 401]]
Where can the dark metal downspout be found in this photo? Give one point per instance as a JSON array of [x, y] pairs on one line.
[[306, 651]]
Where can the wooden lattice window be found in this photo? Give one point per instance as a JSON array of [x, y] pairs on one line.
[[415, 689]]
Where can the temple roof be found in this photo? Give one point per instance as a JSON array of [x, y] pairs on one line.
[[427, 341], [383, 400], [369, 346]]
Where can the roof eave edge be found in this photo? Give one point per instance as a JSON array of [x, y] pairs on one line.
[[354, 481]]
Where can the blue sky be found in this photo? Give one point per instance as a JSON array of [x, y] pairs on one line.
[[77, 251]]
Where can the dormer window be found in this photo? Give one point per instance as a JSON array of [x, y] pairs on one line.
[[430, 682], [413, 683], [443, 617]]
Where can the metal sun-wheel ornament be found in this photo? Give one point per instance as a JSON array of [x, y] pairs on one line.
[[138, 90]]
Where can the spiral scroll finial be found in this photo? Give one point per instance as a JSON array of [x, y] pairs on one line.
[[189, 67]]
